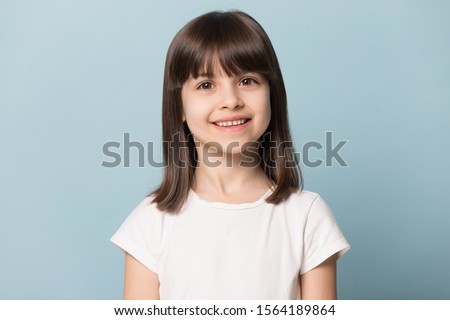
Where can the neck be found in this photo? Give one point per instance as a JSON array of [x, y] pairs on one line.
[[229, 173]]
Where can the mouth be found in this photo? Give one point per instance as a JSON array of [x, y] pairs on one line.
[[233, 123]]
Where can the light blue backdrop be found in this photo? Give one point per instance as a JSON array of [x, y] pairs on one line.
[[77, 74]]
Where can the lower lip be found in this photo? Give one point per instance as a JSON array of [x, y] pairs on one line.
[[232, 128]]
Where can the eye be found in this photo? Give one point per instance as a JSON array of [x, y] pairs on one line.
[[207, 85], [248, 81]]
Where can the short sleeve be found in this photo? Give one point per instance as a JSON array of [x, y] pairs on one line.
[[322, 236], [136, 236]]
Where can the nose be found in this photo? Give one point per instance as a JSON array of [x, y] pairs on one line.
[[230, 98]]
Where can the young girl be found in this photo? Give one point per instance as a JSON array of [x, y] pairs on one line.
[[230, 219]]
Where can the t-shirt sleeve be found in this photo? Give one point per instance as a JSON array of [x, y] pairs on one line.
[[137, 236], [322, 236]]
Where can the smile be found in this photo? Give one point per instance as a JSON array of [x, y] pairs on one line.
[[231, 123]]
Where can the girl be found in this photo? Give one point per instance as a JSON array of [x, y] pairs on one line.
[[230, 219]]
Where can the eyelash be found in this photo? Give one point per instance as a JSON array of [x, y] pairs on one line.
[[200, 86], [253, 81]]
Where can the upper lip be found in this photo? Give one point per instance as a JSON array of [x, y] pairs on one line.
[[231, 119]]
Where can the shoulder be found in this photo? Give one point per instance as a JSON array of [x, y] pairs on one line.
[[145, 227], [307, 204], [144, 210], [141, 234], [302, 197], [305, 194], [146, 215]]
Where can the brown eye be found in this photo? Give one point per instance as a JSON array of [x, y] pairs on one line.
[[248, 81], [205, 86]]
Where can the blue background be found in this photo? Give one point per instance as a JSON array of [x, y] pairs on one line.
[[77, 74]]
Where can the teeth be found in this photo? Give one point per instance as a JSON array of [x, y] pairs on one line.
[[230, 123]]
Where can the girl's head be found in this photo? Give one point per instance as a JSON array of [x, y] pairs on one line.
[[232, 43]]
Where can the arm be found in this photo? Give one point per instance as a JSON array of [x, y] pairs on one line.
[[320, 282], [140, 282]]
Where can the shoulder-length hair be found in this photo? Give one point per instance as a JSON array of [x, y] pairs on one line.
[[239, 44]]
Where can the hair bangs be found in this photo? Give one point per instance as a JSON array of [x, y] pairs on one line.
[[223, 43]]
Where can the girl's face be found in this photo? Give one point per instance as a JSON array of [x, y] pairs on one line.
[[226, 111]]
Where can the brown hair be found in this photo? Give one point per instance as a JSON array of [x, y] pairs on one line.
[[239, 44]]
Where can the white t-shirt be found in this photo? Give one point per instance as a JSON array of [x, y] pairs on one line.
[[216, 250]]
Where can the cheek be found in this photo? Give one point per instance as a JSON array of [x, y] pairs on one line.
[[195, 108], [267, 108], [189, 104], [195, 116]]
